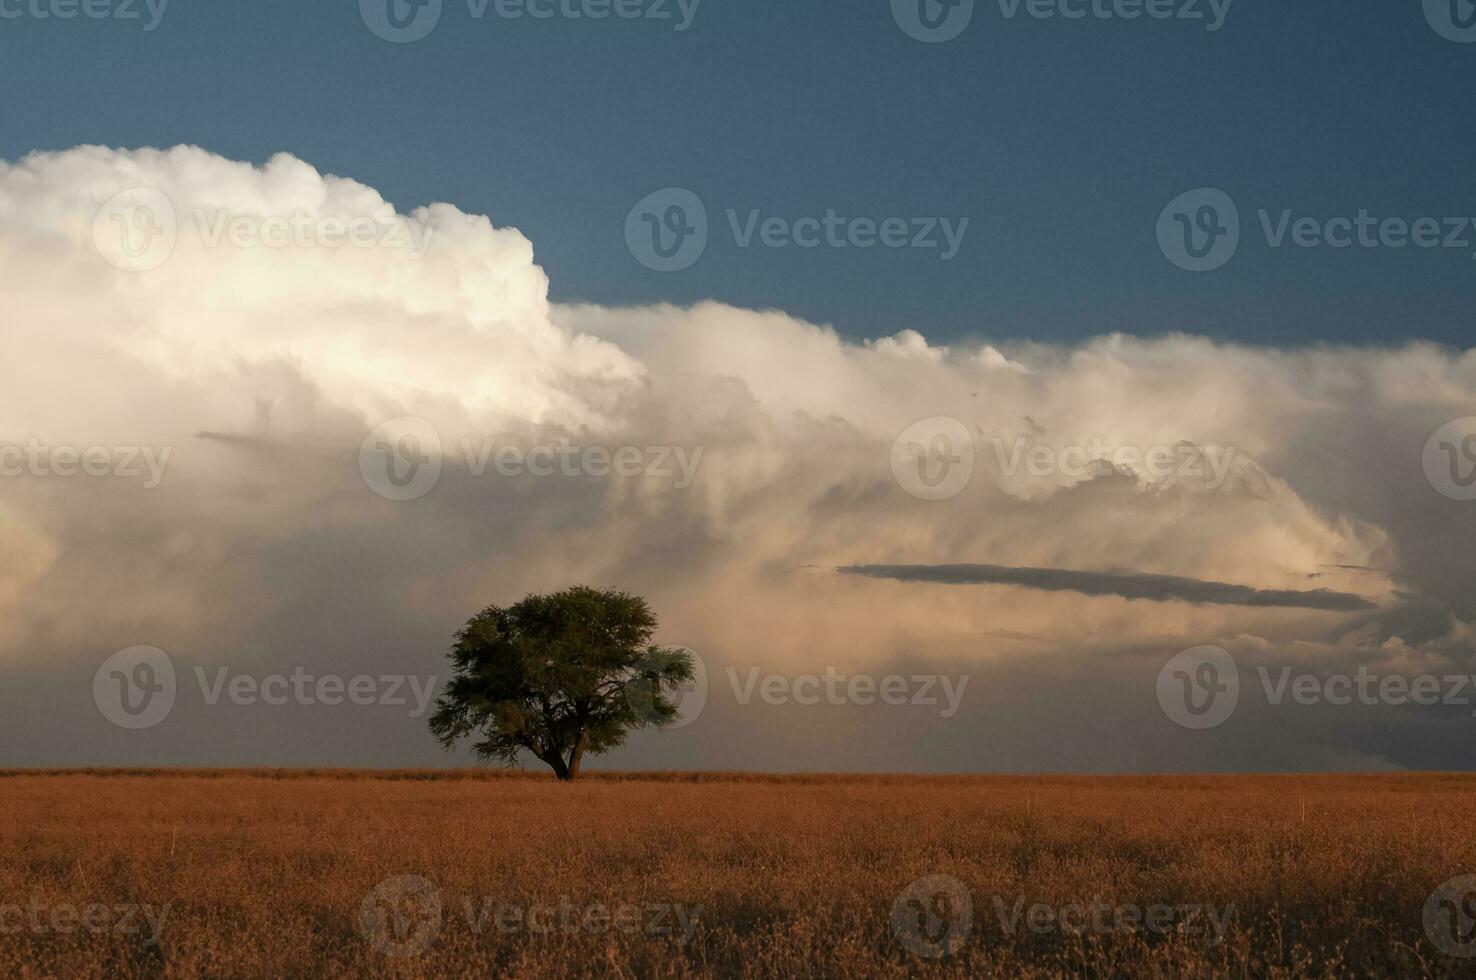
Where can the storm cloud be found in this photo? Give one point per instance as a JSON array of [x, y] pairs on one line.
[[278, 374]]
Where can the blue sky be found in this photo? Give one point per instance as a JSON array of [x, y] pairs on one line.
[[1060, 140]]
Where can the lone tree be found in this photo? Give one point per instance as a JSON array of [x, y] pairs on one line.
[[558, 675]]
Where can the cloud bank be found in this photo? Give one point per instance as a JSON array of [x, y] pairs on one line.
[[263, 350]]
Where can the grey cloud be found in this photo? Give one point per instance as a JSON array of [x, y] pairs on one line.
[[1128, 585]]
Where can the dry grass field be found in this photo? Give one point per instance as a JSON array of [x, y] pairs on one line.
[[334, 874]]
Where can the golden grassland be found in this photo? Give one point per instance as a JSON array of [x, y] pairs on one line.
[[266, 873]]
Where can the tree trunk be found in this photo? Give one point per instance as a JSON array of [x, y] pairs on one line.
[[576, 755], [556, 762]]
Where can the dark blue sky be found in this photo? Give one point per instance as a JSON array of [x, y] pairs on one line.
[[1061, 141]]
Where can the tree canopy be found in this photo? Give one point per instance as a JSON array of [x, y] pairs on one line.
[[558, 676]]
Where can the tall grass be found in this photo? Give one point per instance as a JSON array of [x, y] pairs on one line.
[[266, 872]]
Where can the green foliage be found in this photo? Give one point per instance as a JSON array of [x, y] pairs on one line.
[[558, 675]]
